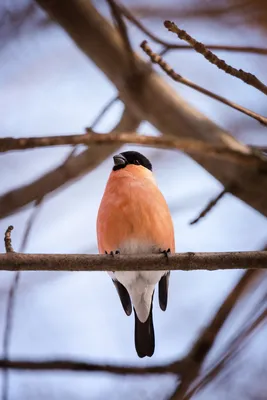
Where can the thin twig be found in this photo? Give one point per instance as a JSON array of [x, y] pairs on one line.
[[82, 366], [157, 59], [199, 47], [231, 352], [174, 46], [12, 298], [8, 319], [102, 113], [209, 206], [203, 345], [8, 241], [189, 145], [146, 262], [121, 26]]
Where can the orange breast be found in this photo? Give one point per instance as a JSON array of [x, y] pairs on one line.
[[133, 208]]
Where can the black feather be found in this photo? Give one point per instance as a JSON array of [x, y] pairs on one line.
[[124, 297], [144, 335], [163, 291]]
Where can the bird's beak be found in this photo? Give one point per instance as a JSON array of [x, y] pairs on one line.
[[119, 160]]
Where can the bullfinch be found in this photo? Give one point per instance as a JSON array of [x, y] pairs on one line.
[[134, 218]]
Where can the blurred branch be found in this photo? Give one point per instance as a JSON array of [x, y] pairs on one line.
[[117, 16], [157, 59], [230, 353], [199, 47], [153, 99], [203, 345], [72, 169], [80, 366], [189, 145], [103, 112], [148, 262], [174, 46], [209, 206], [12, 296]]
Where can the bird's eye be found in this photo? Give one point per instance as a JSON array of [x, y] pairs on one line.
[[137, 162]]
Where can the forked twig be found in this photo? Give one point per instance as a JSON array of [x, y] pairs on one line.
[[199, 47], [157, 59]]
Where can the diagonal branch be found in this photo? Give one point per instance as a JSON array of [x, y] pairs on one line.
[[117, 15], [246, 77], [155, 100], [157, 59], [203, 345], [174, 46], [75, 167], [209, 206]]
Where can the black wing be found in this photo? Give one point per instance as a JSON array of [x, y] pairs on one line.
[[124, 297], [163, 291]]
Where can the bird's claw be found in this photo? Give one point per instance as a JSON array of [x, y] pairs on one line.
[[165, 252]]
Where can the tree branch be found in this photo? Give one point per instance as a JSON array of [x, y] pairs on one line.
[[189, 145], [75, 167], [81, 366], [174, 46], [147, 262], [153, 99], [209, 206], [204, 343], [246, 77], [157, 59]]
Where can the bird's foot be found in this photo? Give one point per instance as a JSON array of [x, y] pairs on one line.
[[165, 252], [112, 253]]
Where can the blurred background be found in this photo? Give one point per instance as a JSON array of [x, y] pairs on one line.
[[49, 87]]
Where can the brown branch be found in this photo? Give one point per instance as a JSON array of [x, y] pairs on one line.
[[174, 46], [157, 59], [8, 320], [230, 353], [209, 206], [199, 47], [203, 345], [155, 101], [188, 145], [8, 241], [147, 262], [81, 366], [102, 113], [75, 167], [117, 15]]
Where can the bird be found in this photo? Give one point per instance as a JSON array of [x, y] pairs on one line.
[[134, 218]]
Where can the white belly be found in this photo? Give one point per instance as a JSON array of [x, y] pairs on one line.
[[140, 284]]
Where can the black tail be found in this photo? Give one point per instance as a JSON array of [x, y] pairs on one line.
[[144, 336]]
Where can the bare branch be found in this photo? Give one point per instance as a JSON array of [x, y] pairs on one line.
[[8, 241], [117, 15], [72, 169], [174, 46], [228, 355], [188, 145], [12, 297], [157, 59], [148, 262], [103, 112], [209, 206], [203, 345], [246, 77], [81, 366]]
